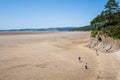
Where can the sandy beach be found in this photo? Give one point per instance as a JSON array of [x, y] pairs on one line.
[[54, 56]]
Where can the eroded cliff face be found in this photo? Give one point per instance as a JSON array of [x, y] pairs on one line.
[[104, 44]]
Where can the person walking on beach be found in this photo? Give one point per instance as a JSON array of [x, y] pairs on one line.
[[97, 53], [86, 66], [79, 58]]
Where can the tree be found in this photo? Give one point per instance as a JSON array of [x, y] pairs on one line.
[[111, 7], [109, 16]]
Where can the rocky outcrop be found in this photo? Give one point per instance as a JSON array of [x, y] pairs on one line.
[[104, 44]]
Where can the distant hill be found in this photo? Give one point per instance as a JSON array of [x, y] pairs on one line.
[[85, 28], [43, 29]]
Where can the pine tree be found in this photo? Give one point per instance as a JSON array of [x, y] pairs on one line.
[[110, 15], [111, 7]]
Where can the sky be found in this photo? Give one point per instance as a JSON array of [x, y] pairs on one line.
[[22, 14]]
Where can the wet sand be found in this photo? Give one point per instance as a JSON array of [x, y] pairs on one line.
[[54, 56]]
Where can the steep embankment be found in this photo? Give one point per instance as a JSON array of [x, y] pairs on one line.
[[105, 44], [106, 39]]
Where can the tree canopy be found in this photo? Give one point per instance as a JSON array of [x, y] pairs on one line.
[[110, 15], [109, 19], [111, 7]]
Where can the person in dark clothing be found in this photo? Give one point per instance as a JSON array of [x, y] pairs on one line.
[[86, 66], [79, 58]]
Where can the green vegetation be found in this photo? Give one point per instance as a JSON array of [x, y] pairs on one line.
[[108, 22], [94, 32], [85, 28], [109, 16], [112, 31]]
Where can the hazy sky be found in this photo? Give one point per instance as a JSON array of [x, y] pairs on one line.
[[16, 14]]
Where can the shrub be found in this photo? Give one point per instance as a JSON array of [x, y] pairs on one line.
[[112, 31], [94, 32]]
